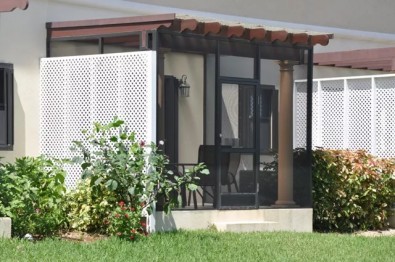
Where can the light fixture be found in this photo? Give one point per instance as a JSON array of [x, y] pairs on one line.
[[184, 86]]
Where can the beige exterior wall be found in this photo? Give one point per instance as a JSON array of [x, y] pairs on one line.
[[190, 115], [22, 43]]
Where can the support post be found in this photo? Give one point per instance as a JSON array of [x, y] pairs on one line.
[[285, 143]]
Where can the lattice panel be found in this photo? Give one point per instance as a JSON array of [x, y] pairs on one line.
[[77, 91], [315, 131], [357, 116], [360, 116], [385, 116], [300, 113], [333, 113]]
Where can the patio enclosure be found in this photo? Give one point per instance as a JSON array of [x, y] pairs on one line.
[[238, 117]]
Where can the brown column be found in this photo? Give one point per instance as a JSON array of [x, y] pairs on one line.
[[285, 138]]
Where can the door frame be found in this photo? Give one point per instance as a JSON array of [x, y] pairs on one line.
[[255, 150]]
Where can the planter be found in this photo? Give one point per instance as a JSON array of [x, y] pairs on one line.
[[5, 227]]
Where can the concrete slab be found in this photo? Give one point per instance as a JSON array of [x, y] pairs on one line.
[[291, 219], [5, 227], [246, 226]]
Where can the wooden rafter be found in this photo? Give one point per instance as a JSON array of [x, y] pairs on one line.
[[10, 5], [172, 22]]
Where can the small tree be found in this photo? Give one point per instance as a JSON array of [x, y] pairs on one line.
[[137, 173]]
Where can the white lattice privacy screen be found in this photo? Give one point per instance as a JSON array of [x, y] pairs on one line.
[[77, 91], [349, 113]]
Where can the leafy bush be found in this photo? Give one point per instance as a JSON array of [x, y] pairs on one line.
[[135, 172], [31, 193], [351, 190], [126, 222], [88, 207]]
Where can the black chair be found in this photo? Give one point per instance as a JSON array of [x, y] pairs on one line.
[[207, 155]]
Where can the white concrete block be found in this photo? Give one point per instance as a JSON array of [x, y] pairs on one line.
[[5, 227], [279, 219]]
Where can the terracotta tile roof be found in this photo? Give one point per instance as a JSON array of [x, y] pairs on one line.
[[382, 59], [10, 5], [182, 23]]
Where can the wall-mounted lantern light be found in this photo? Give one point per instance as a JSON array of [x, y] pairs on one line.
[[184, 86]]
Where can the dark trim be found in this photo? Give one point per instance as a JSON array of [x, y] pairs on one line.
[[247, 81], [227, 39], [78, 38], [309, 122], [101, 46], [112, 21], [48, 44], [8, 84], [217, 133], [204, 98], [257, 155], [253, 151]]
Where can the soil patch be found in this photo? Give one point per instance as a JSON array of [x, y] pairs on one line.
[[78, 236]]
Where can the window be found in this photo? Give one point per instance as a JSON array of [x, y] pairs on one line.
[[268, 117], [6, 106]]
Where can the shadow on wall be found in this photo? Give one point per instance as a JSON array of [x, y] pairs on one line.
[[164, 222]]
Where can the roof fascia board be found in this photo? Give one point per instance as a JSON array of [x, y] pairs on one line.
[[152, 9]]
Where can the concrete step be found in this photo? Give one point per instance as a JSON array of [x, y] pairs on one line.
[[246, 226]]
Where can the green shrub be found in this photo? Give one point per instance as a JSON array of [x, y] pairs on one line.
[[136, 173], [126, 222], [31, 193], [351, 190], [87, 208]]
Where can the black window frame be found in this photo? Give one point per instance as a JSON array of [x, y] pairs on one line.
[[7, 105]]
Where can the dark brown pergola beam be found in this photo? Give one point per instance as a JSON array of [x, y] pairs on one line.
[[10, 5], [280, 35], [374, 59], [231, 31], [208, 28], [300, 38], [112, 21], [319, 39], [255, 34], [99, 31], [179, 24], [365, 54]]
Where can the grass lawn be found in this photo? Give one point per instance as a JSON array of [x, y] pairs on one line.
[[208, 246]]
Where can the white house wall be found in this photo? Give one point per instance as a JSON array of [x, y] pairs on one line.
[[22, 43]]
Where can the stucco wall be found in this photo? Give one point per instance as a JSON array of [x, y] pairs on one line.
[[22, 43], [190, 115]]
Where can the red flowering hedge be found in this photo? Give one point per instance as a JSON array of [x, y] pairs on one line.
[[352, 190]]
